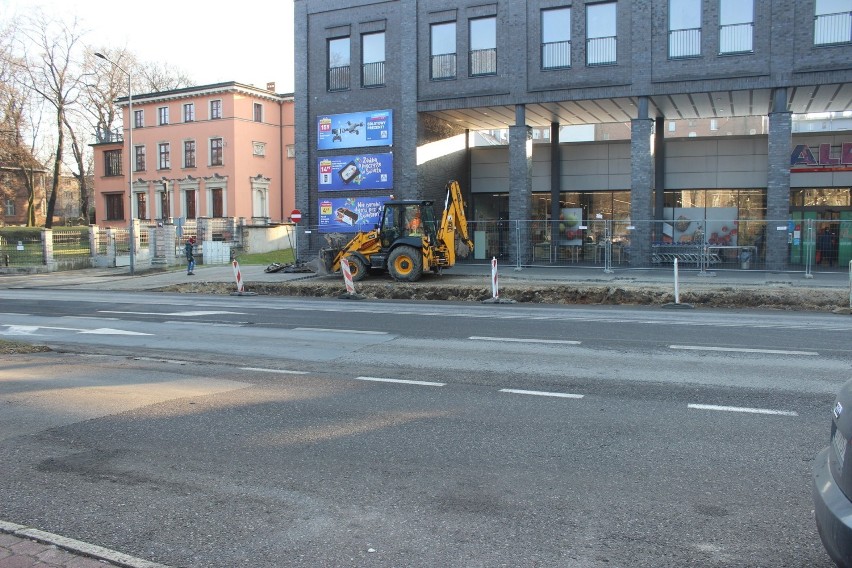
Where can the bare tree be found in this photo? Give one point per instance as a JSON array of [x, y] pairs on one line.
[[157, 77], [15, 113], [49, 61]]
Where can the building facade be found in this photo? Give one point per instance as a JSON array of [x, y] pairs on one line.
[[223, 150], [406, 83]]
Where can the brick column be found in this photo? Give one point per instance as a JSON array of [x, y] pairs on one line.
[[47, 249], [778, 181], [94, 232], [520, 185], [641, 185]]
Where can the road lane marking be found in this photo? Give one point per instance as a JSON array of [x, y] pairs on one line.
[[202, 323], [743, 409], [742, 350], [519, 340], [543, 393], [324, 329], [174, 314], [401, 381], [31, 329], [280, 371]]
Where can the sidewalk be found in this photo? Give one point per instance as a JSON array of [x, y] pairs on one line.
[[120, 278], [23, 547]]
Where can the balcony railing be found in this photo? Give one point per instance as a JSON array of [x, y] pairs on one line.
[[443, 67], [483, 62], [601, 51], [684, 43], [833, 29], [339, 78], [736, 38], [556, 55], [106, 135], [373, 74]]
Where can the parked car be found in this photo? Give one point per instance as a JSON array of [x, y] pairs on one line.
[[832, 483]]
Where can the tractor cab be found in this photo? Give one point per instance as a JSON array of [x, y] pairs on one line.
[[407, 221]]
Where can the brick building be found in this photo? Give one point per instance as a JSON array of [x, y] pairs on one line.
[[420, 77]]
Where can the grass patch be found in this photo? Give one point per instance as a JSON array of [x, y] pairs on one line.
[[266, 258], [13, 347]]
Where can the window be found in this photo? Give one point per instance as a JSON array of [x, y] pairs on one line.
[[10, 207], [189, 154], [258, 112], [164, 161], [189, 203], [736, 26], [443, 62], [215, 109], [165, 205], [338, 64], [141, 205], [833, 22], [114, 206], [483, 47], [373, 59], [216, 146], [684, 28], [189, 112], [112, 163], [139, 155], [714, 124], [163, 115], [218, 202], [601, 34], [291, 151], [556, 38], [138, 118]]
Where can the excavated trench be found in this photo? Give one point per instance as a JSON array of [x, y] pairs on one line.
[[464, 288]]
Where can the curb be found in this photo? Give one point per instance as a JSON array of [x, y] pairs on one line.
[[78, 547]]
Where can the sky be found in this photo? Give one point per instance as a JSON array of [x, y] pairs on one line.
[[211, 42]]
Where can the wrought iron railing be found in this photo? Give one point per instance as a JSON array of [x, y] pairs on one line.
[[736, 38], [443, 67], [556, 55], [373, 74], [601, 51], [339, 78], [483, 62], [833, 29], [684, 43]]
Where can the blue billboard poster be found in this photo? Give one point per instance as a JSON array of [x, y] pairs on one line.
[[369, 171], [350, 214], [355, 130]]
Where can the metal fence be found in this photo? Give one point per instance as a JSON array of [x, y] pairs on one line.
[[71, 243], [21, 248], [699, 244]]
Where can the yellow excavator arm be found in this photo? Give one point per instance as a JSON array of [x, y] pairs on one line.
[[453, 221]]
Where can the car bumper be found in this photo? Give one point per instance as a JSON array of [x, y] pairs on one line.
[[833, 512]]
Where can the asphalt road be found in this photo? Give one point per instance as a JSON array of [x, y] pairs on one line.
[[211, 431]]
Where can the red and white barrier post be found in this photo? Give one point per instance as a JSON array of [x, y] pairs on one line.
[[495, 286], [238, 276], [347, 277]]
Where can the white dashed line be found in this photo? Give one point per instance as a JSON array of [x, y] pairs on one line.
[[518, 340], [347, 331], [279, 371], [542, 393], [743, 409], [401, 381], [741, 350]]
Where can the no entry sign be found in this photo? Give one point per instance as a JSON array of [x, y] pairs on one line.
[[295, 215]]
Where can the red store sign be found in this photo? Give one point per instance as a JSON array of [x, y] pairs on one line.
[[826, 159]]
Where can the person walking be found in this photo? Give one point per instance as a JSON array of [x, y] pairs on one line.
[[190, 257]]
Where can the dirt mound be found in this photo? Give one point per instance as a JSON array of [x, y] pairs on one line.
[[473, 289]]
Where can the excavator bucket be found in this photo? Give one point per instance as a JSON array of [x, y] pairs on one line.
[[326, 260]]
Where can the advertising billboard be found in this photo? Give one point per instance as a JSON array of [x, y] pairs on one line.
[[355, 130], [367, 171], [350, 214]]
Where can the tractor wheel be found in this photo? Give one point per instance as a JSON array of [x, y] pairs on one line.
[[405, 264], [356, 267]]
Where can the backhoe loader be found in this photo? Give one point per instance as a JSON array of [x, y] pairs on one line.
[[408, 242]]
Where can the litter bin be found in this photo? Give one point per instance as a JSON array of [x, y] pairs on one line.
[[745, 260]]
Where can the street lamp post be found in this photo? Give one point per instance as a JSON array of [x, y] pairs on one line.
[[131, 235]]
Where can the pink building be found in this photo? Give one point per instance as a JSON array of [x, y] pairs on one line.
[[223, 150]]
